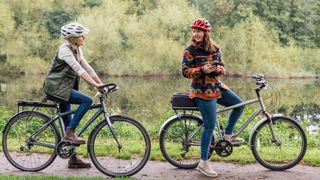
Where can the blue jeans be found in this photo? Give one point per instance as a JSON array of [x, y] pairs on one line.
[[208, 112], [229, 98], [76, 97]]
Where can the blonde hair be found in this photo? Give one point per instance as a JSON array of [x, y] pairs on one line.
[[209, 44]]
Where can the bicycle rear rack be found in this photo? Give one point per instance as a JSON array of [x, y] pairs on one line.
[[34, 104]]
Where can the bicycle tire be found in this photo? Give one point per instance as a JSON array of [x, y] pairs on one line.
[[173, 135], [18, 129], [104, 152], [288, 133]]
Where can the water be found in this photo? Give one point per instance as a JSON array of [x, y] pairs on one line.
[[148, 99]]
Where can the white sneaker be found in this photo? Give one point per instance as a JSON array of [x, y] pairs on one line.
[[205, 168]]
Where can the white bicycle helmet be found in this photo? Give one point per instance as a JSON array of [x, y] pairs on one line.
[[73, 30]]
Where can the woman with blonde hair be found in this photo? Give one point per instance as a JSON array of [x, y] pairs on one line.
[[62, 83]]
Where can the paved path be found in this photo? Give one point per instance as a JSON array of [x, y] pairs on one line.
[[164, 170]]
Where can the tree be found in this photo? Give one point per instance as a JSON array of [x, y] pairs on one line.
[[91, 3], [61, 13], [316, 23], [6, 24]]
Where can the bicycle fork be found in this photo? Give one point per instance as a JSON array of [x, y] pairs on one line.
[[106, 116], [270, 122]]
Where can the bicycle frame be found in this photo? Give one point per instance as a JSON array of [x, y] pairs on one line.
[[256, 112], [102, 109]]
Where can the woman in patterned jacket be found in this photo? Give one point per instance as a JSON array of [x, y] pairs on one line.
[[202, 63]]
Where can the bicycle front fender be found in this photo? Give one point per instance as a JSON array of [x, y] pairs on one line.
[[174, 117], [260, 122]]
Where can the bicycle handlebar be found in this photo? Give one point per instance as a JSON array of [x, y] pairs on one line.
[[111, 87], [260, 80]]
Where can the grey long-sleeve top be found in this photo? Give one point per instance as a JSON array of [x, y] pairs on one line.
[[66, 54]]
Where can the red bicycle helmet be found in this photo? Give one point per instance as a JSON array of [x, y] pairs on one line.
[[201, 24]]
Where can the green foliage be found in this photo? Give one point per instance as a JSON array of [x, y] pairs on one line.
[[291, 18], [251, 48], [134, 44], [6, 23], [133, 37], [3, 57], [5, 116], [91, 3], [57, 17]]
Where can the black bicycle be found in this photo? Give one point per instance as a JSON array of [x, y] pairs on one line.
[[118, 145], [277, 142]]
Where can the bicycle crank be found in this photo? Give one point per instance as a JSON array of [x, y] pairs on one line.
[[65, 149], [223, 148]]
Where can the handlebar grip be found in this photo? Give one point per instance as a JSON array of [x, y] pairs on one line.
[[259, 76], [111, 86]]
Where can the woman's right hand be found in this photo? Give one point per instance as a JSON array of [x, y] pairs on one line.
[[208, 68], [98, 86]]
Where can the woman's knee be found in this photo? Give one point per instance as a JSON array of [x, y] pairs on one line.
[[239, 109], [89, 101]]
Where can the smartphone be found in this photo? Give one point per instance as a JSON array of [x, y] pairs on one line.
[[215, 63]]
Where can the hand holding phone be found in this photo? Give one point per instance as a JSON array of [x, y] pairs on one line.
[[208, 68]]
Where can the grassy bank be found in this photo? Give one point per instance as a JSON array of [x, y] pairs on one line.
[[241, 154]]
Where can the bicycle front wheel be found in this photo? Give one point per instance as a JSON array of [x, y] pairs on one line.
[[180, 141], [124, 160], [25, 151], [285, 150]]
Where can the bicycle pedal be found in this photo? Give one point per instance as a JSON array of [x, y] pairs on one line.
[[236, 145], [75, 145], [68, 141]]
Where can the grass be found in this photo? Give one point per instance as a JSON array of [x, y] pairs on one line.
[[242, 154]]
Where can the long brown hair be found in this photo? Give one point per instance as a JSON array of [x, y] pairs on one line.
[[209, 44]]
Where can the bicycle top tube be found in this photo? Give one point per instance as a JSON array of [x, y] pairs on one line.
[[237, 105]]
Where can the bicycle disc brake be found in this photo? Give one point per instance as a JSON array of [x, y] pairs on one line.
[[223, 148], [65, 149]]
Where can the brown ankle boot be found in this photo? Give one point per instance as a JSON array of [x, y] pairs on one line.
[[72, 138], [76, 162]]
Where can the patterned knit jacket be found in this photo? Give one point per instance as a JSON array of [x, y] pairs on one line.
[[204, 86]]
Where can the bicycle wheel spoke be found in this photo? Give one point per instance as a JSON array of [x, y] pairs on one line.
[[282, 152], [18, 146], [125, 158], [175, 145]]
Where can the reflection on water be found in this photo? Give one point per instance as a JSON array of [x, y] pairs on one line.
[[148, 99]]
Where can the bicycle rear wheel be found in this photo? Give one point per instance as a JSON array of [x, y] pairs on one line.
[[126, 160], [174, 143], [283, 152], [25, 152]]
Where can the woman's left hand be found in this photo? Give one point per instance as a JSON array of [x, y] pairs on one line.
[[221, 69], [101, 90]]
